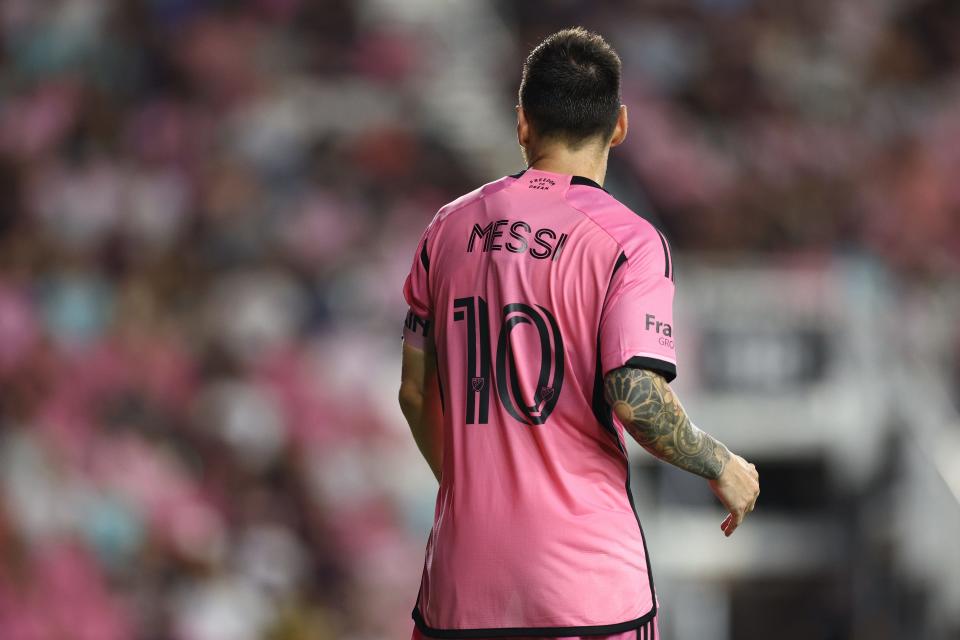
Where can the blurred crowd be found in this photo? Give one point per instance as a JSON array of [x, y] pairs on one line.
[[206, 213], [815, 126]]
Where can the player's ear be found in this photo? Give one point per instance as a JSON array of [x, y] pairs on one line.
[[523, 128], [620, 130]]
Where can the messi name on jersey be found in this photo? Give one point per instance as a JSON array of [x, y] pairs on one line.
[[517, 237]]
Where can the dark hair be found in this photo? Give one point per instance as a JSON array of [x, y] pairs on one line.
[[571, 86]]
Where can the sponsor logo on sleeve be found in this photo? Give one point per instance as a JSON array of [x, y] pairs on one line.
[[663, 329]]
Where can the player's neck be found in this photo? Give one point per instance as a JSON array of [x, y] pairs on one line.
[[586, 162]]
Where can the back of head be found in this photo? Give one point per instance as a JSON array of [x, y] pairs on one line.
[[570, 89]]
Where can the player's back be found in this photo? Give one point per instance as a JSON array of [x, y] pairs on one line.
[[534, 525]]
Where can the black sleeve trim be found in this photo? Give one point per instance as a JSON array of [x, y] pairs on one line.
[[553, 632], [667, 369], [424, 258]]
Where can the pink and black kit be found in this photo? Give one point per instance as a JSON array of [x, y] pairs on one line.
[[532, 288]]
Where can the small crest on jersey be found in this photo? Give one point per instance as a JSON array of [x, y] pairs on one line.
[[541, 184], [478, 383], [545, 394]]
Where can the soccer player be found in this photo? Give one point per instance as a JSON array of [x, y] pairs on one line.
[[540, 327]]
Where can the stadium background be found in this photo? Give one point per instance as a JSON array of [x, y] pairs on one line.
[[206, 213]]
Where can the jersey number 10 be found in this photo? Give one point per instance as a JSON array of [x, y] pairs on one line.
[[473, 311]]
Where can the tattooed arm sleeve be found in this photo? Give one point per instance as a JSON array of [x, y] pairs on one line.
[[652, 413]]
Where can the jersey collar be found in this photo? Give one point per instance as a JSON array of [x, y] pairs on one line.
[[587, 182]]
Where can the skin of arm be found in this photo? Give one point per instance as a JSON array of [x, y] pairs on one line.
[[420, 402], [652, 413], [646, 406]]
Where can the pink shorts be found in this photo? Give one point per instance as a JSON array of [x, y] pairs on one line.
[[649, 631]]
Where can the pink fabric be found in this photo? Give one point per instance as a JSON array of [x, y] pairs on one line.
[[533, 525], [637, 317]]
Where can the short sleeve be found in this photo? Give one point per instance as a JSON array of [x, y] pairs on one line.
[[636, 326], [416, 291]]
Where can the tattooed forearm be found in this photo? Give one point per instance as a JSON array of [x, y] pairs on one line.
[[652, 414]]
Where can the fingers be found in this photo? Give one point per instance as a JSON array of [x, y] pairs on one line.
[[731, 522], [726, 523], [738, 493], [736, 517], [729, 525]]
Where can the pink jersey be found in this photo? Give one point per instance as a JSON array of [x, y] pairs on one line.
[[533, 287]]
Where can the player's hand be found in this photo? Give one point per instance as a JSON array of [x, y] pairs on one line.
[[737, 488]]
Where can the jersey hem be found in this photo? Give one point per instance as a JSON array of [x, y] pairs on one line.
[[549, 632]]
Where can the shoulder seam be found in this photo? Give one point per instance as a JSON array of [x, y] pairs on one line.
[[434, 226], [667, 258], [595, 223], [480, 196], [602, 228]]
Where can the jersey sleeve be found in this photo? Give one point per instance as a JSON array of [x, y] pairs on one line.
[[636, 326], [416, 291]]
